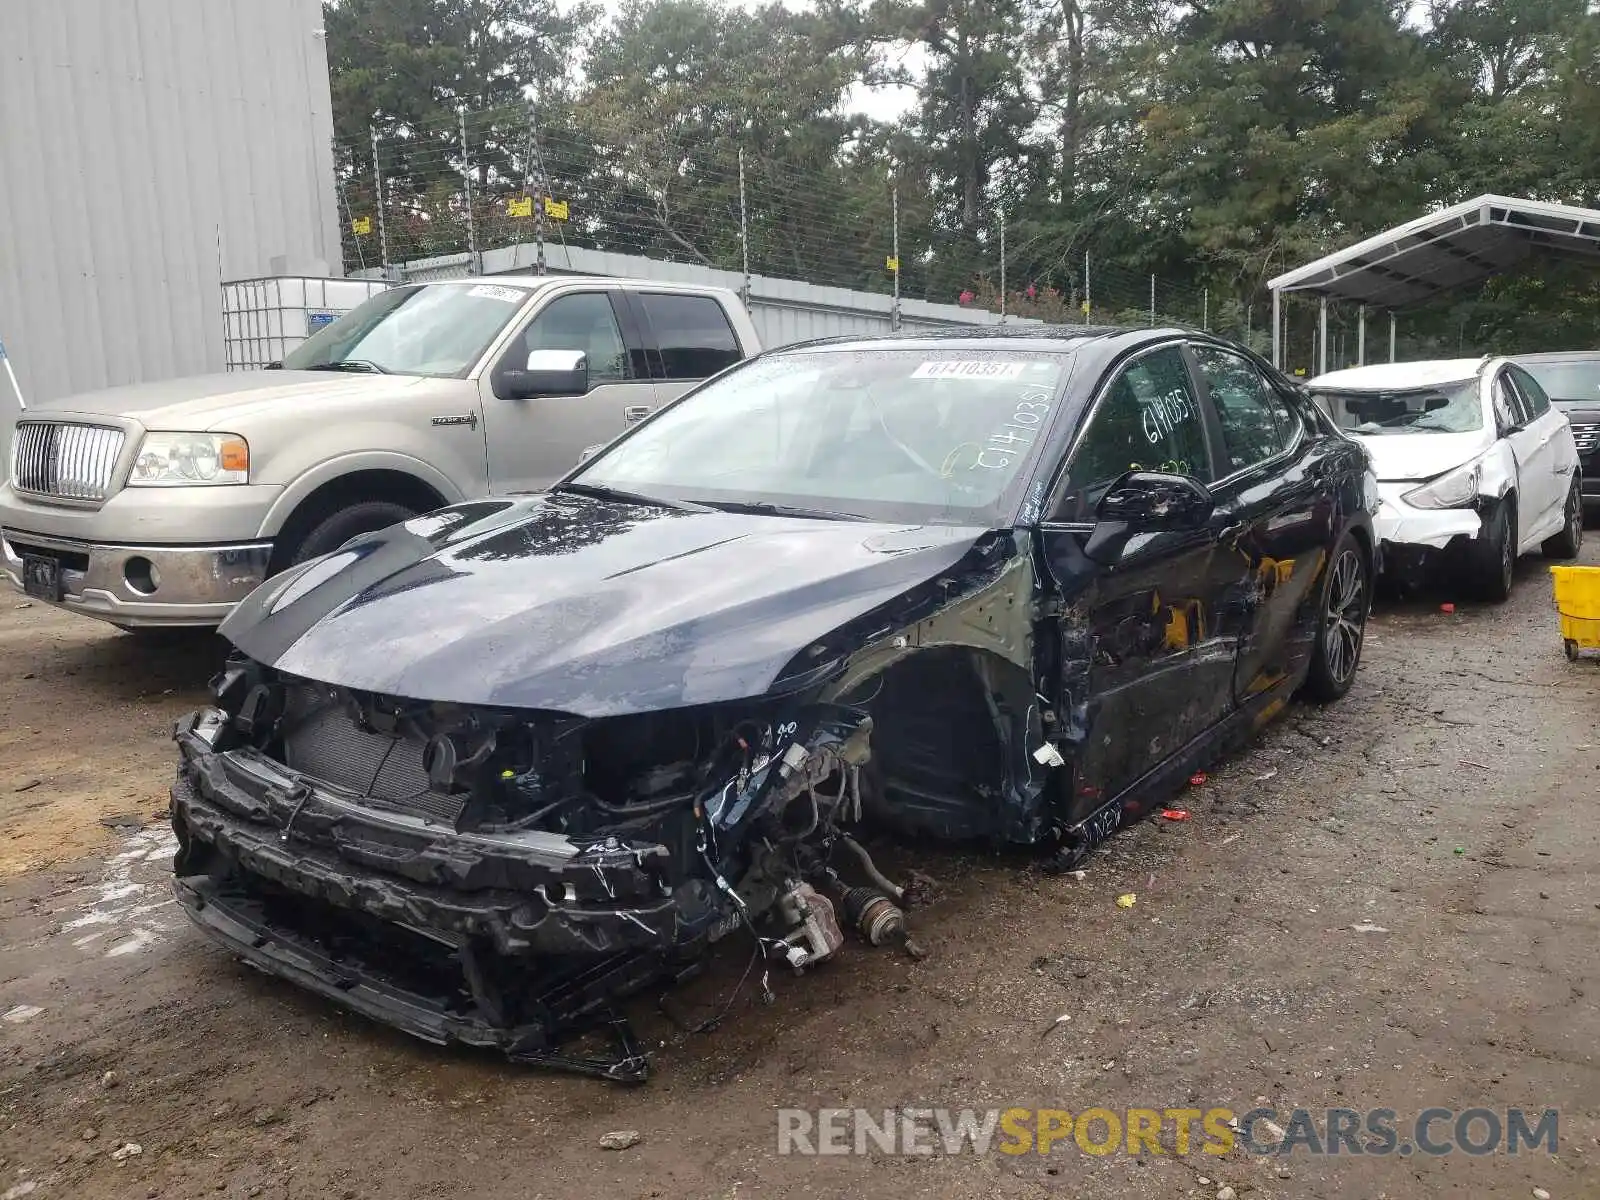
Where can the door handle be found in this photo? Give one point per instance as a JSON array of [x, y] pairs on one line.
[[635, 412]]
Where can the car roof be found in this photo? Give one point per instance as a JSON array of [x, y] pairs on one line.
[[1558, 356], [1387, 377], [540, 281], [1047, 339]]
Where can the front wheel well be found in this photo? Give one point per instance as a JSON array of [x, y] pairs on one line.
[[1363, 537], [395, 487]]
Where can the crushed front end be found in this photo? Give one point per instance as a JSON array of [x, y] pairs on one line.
[[502, 878]]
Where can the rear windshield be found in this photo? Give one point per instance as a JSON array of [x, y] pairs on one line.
[[1449, 408], [1568, 382]]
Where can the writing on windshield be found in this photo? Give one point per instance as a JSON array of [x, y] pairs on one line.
[[930, 435], [1448, 408], [439, 330]]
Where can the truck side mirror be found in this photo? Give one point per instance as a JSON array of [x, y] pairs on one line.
[[545, 373]]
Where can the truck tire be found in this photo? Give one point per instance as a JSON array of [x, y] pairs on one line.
[[334, 530]]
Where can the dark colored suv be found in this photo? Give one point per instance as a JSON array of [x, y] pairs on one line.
[[1571, 378]]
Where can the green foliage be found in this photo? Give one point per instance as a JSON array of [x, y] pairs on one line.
[[1212, 143]]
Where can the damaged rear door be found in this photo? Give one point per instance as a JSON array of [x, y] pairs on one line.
[[1146, 665]]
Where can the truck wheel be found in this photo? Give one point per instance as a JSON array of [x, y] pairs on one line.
[[336, 529]]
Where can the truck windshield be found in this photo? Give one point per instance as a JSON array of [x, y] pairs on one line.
[[1448, 408], [932, 435], [438, 329]]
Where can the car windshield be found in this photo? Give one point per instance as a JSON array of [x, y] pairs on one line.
[[929, 435], [1447, 408], [1567, 382], [440, 329]]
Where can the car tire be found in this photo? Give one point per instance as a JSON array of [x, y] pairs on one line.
[[1569, 541], [334, 530], [1492, 558], [1342, 607]]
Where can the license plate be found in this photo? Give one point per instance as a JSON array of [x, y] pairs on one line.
[[41, 577]]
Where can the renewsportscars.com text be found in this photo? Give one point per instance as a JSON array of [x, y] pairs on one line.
[[1170, 1131]]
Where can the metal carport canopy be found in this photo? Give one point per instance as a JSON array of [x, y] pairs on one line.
[[1444, 251]]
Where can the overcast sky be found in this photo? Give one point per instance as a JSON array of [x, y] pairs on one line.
[[884, 104]]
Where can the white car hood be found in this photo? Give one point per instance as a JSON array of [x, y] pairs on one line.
[[1408, 456]]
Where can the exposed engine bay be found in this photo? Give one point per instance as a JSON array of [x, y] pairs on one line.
[[501, 878]]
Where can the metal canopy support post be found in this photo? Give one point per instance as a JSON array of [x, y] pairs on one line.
[[1277, 329], [1322, 335], [1088, 299], [1152, 299], [1361, 338], [1391, 337]]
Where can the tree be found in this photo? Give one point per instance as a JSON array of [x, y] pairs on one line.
[[412, 67]]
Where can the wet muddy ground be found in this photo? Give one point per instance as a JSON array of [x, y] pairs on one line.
[[1390, 903]]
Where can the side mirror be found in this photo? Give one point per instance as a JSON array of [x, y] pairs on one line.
[[546, 373], [1146, 502], [589, 452]]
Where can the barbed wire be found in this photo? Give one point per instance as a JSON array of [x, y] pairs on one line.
[[826, 219]]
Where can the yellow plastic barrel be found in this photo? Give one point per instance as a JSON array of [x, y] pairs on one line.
[[1578, 601]]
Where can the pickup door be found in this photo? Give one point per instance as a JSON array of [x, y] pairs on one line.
[[532, 442], [644, 348]]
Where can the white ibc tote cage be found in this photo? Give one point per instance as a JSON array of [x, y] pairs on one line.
[[264, 319]]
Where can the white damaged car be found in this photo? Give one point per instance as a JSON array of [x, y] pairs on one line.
[[1475, 466]]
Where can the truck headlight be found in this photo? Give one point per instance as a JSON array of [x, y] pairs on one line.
[[1454, 489], [185, 459]]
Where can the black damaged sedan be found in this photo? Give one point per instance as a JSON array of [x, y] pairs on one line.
[[481, 774]]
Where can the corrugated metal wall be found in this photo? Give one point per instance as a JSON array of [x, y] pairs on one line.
[[135, 136], [782, 310]]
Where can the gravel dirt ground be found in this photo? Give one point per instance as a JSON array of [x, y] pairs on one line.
[[1391, 902]]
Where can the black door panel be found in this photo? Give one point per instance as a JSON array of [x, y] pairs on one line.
[[1150, 658], [1275, 510], [1148, 645]]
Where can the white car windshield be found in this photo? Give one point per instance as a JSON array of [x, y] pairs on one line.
[[439, 330], [935, 435], [1447, 408]]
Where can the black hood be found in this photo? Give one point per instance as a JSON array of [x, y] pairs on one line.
[[583, 606]]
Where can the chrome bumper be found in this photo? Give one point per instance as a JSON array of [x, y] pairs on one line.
[[143, 586]]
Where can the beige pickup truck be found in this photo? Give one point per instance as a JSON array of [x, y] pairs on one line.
[[164, 504]]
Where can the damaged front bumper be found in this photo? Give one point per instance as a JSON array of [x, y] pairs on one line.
[[1398, 523], [500, 936], [521, 893], [503, 941]]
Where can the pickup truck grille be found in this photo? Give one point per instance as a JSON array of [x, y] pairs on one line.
[[75, 462], [1586, 437]]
